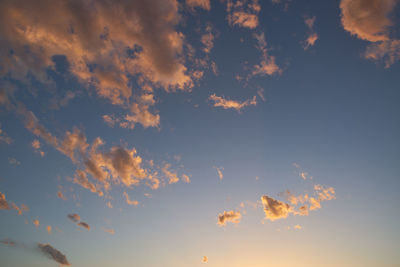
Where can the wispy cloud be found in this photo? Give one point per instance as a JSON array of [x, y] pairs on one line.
[[129, 201], [243, 13], [312, 36], [231, 104]]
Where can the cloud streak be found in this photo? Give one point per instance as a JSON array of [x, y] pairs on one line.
[[231, 104]]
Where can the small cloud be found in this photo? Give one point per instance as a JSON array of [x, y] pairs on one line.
[[13, 161], [219, 171], [74, 217], [7, 242], [205, 259], [243, 13], [228, 103], [297, 227], [129, 201], [205, 4], [267, 66], [84, 225], [36, 222], [36, 146], [4, 205], [61, 195], [275, 209], [185, 178], [110, 231], [109, 205], [172, 177], [312, 37], [4, 138], [229, 216], [48, 228], [53, 254]]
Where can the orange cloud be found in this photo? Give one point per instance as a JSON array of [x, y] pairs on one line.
[[312, 36], [98, 34], [48, 228], [229, 216], [205, 4], [205, 259], [207, 40], [228, 103], [172, 177], [129, 201], [267, 66], [275, 209], [84, 225], [110, 231], [74, 217], [3, 202], [36, 222], [219, 171], [370, 21], [243, 13]]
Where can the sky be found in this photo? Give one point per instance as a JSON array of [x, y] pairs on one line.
[[166, 133]]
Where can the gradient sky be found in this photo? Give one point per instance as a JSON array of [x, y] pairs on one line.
[[199, 133]]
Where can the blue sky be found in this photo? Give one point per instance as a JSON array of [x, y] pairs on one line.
[[197, 132]]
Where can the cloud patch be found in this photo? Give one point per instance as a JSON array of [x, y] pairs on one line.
[[231, 104], [229, 216], [53, 254]]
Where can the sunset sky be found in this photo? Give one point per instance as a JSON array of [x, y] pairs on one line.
[[184, 133]]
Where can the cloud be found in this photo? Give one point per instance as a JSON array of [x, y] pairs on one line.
[[77, 219], [36, 146], [205, 4], [229, 216], [219, 171], [81, 179], [36, 222], [297, 227], [104, 43], [185, 178], [388, 51], [228, 103], [370, 21], [207, 40], [4, 138], [205, 259], [110, 231], [129, 201], [8, 242], [275, 209], [84, 225], [21, 209], [61, 195], [53, 254], [298, 205], [14, 161], [48, 228], [172, 176], [243, 13], [74, 217], [4, 205], [312, 36], [267, 66]]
